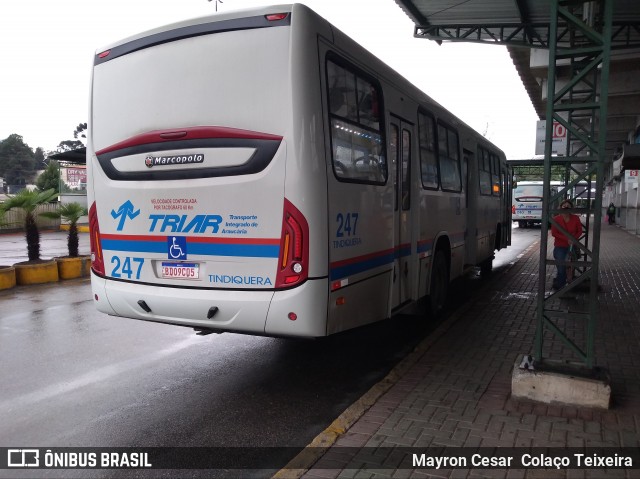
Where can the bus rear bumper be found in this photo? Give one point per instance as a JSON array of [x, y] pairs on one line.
[[256, 312]]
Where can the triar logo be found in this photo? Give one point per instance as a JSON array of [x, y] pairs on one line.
[[126, 210]]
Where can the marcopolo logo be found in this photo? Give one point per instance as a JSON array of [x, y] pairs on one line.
[[152, 161]]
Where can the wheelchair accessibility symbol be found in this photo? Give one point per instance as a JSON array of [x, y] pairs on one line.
[[177, 247]]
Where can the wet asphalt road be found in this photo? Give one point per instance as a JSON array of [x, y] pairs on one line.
[[74, 377]]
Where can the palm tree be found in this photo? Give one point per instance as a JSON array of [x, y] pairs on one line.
[[28, 201], [71, 212]]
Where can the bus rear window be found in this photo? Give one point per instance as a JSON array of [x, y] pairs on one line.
[[529, 193], [181, 83]]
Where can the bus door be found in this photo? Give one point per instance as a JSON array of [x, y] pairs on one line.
[[400, 156]]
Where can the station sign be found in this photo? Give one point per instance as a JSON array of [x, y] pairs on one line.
[[631, 176], [559, 138]]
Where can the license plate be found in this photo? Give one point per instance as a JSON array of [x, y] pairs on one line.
[[180, 270]]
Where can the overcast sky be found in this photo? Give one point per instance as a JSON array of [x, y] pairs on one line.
[[47, 48]]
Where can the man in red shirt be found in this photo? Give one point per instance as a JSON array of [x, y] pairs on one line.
[[572, 224]]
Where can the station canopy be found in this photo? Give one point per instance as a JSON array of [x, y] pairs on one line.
[[508, 22], [523, 25]]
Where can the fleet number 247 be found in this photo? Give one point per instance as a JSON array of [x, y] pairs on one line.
[[126, 267]]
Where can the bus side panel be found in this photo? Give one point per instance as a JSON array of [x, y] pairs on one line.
[[306, 181], [488, 207], [360, 226], [361, 263], [452, 205], [505, 204], [442, 225], [359, 304]]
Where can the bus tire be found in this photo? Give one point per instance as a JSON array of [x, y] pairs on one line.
[[439, 285], [520, 224]]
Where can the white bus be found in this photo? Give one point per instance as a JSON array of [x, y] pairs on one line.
[[526, 206], [260, 172]]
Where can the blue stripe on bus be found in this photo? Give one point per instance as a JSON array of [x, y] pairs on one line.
[[424, 246], [402, 251], [355, 265], [204, 249], [134, 246], [345, 268], [255, 251]]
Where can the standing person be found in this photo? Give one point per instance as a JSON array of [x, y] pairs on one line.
[[611, 213], [572, 224]]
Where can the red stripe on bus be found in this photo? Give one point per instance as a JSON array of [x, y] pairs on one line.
[[365, 257], [189, 133], [109, 236], [267, 241], [194, 239]]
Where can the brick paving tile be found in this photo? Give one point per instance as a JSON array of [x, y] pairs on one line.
[[457, 393]]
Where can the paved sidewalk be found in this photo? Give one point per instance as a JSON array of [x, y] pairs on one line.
[[454, 390]]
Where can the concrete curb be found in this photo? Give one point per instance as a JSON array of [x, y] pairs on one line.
[[71, 268], [7, 277], [81, 228], [39, 273]]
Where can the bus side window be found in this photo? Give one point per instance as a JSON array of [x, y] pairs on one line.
[[495, 174], [358, 151], [368, 104], [484, 171], [342, 92], [428, 159], [406, 170], [336, 99], [449, 159]]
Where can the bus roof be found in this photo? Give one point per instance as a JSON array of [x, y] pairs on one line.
[[218, 17]]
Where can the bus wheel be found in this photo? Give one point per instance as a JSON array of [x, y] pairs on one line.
[[439, 284], [520, 224]]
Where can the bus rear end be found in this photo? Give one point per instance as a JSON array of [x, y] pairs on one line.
[[191, 219], [527, 203]]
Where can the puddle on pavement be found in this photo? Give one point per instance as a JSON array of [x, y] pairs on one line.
[[520, 295]]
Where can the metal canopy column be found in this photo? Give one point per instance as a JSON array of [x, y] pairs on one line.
[[580, 34]]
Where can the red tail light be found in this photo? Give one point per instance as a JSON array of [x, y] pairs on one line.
[[275, 17], [97, 261], [293, 263], [513, 209]]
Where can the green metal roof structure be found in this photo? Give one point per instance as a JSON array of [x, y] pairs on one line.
[[587, 55], [523, 25]]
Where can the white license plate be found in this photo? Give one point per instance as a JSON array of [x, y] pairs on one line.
[[180, 270]]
